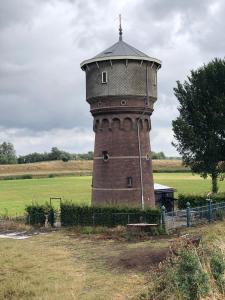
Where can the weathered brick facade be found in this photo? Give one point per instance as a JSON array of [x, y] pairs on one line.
[[121, 108]]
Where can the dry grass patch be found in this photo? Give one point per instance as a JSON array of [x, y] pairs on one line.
[[58, 266], [73, 167], [49, 167]]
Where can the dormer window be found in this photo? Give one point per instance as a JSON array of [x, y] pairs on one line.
[[104, 77]]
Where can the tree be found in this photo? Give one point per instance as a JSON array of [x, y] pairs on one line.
[[200, 127], [7, 154], [159, 155]]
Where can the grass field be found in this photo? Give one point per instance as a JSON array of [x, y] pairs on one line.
[[15, 194]]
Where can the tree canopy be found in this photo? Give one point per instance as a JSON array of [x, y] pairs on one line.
[[7, 154], [200, 126]]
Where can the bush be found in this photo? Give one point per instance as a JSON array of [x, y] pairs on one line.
[[36, 214], [198, 200], [191, 280], [168, 170], [25, 176], [217, 266], [51, 175], [180, 277], [72, 214]]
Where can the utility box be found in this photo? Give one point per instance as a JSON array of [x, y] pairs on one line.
[[164, 196]]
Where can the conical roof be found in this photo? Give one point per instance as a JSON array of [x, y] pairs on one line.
[[121, 50]]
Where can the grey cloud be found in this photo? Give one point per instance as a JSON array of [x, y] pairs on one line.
[[16, 11], [42, 42]]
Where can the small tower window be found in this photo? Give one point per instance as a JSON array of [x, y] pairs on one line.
[[105, 155], [104, 77], [148, 156], [129, 182]]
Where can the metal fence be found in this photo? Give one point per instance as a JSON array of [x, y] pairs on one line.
[[171, 220], [108, 219], [193, 216]]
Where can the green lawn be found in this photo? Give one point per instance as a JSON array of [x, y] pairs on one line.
[[187, 183], [15, 194]]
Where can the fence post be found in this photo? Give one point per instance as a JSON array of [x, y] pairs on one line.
[[128, 219], [163, 215], [188, 211], [209, 210]]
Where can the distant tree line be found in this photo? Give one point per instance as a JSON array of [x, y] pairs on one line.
[[8, 155], [55, 154], [159, 155]]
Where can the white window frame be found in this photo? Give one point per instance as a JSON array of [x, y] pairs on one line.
[[106, 77]]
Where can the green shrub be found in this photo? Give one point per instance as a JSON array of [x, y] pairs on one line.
[[72, 214], [217, 266], [191, 280], [36, 214], [180, 170], [51, 175], [198, 200], [25, 176]]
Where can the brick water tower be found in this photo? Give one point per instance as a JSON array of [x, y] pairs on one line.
[[121, 88]]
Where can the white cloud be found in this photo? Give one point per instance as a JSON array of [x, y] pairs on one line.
[[74, 140]]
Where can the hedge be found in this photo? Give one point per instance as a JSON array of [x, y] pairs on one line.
[[36, 214], [72, 214], [171, 170], [198, 200]]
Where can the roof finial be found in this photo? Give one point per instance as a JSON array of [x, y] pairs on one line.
[[120, 29]]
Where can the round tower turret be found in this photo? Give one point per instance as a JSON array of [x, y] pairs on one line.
[[121, 88]]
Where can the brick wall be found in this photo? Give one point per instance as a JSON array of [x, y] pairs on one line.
[[118, 136]]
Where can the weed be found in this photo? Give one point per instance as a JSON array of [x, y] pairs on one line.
[[191, 280], [217, 266]]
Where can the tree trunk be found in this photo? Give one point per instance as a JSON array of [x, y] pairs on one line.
[[214, 183]]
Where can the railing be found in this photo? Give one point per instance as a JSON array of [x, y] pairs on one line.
[[193, 216]]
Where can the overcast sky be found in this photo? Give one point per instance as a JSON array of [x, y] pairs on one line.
[[42, 42]]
